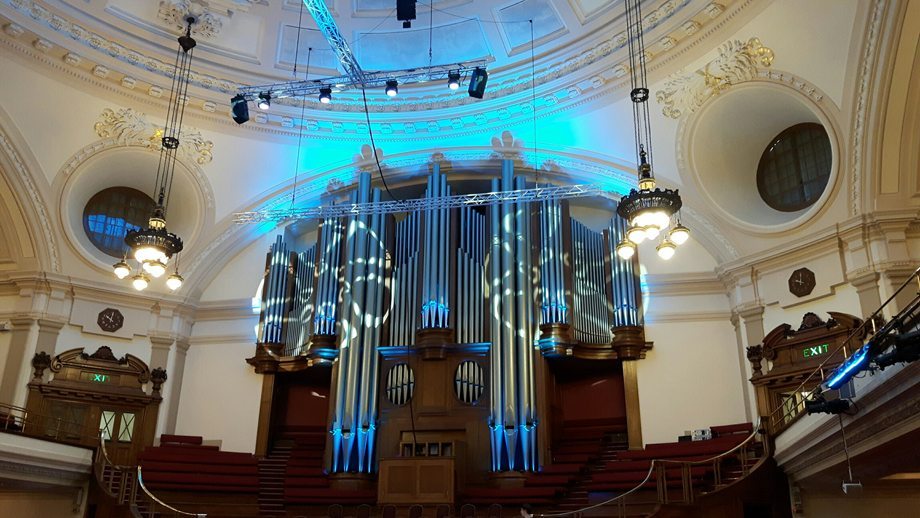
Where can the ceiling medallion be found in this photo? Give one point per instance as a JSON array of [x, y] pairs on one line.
[[648, 210]]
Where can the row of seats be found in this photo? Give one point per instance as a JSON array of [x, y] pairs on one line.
[[629, 468], [305, 480], [183, 463]]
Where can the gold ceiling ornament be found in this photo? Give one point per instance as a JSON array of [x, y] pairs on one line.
[[131, 128], [738, 61]]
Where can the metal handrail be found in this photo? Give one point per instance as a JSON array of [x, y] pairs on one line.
[[843, 344], [33, 419], [140, 482], [651, 470]]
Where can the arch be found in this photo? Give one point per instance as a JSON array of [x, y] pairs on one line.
[[23, 191], [561, 167]]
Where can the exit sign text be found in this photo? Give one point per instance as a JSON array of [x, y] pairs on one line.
[[817, 350]]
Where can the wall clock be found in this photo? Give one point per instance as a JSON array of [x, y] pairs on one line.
[[110, 319], [802, 282]]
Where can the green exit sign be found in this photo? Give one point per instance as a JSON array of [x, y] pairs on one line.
[[817, 350], [100, 378]]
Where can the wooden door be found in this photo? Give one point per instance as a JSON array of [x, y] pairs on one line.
[[118, 427]]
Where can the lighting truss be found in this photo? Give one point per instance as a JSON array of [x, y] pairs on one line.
[[330, 30], [371, 79], [418, 204]]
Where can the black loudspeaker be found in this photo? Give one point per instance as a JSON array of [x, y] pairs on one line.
[[478, 83], [240, 109], [405, 11]]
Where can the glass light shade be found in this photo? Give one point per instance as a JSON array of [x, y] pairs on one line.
[[140, 282], [155, 268], [174, 282], [144, 254], [679, 234], [652, 232], [636, 234], [122, 269], [626, 250], [666, 249]]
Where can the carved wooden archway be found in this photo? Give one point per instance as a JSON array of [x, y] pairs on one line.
[[92, 392]]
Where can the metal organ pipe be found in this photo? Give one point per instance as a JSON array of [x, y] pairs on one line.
[[625, 284], [300, 315], [275, 293], [435, 292], [496, 385], [328, 278]]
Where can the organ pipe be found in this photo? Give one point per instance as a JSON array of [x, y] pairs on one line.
[[591, 308], [435, 292], [405, 274], [327, 280], [275, 295], [624, 285], [353, 424], [552, 287], [300, 316], [512, 418], [470, 282]]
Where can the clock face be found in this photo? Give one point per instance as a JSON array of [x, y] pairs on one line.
[[110, 319], [802, 282]]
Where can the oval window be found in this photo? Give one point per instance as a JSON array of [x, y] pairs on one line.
[[794, 169], [111, 213]]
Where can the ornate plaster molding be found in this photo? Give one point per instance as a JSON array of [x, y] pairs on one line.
[[174, 13], [738, 61], [37, 203], [131, 128], [866, 73]]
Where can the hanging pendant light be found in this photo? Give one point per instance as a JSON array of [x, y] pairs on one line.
[[153, 246], [648, 210]]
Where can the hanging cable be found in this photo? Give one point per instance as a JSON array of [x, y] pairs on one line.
[[303, 102], [370, 131], [533, 104]]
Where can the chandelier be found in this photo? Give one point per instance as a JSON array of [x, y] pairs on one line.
[[649, 211], [153, 246]]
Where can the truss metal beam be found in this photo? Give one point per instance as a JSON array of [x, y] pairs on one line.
[[371, 80], [418, 204], [330, 30]]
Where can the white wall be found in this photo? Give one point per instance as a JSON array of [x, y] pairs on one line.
[[220, 395]]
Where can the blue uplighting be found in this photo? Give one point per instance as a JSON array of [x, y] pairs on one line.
[[847, 369]]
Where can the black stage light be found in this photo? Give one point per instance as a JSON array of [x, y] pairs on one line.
[[478, 82], [453, 79], [392, 88], [819, 405], [325, 95], [405, 12], [906, 350], [265, 100], [239, 108]]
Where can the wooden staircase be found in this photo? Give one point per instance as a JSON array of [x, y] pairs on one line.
[[271, 481]]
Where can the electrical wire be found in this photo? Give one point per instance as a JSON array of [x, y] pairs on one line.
[[303, 103], [533, 103], [370, 131]]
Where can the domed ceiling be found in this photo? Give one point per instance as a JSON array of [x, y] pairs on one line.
[[252, 42]]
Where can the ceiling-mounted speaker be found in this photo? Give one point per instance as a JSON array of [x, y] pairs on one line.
[[478, 83], [405, 12], [239, 109]]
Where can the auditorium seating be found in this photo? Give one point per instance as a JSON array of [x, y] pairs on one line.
[[305, 480], [183, 463]]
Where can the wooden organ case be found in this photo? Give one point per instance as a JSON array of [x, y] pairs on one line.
[[453, 336]]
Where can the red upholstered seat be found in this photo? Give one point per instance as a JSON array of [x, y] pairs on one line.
[[517, 495], [740, 428], [183, 464], [180, 439]]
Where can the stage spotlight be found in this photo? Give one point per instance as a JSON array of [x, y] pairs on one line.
[[819, 405], [478, 82], [906, 350], [265, 100], [405, 12], [325, 95], [453, 80], [392, 87], [239, 109]]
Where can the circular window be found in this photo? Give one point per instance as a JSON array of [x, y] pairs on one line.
[[468, 382], [111, 213], [400, 384], [794, 169]]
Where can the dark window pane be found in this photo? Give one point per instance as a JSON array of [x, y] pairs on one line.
[[795, 167], [111, 213]]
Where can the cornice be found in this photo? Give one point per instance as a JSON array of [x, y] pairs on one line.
[[592, 59], [224, 310], [694, 283], [240, 338], [690, 316]]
